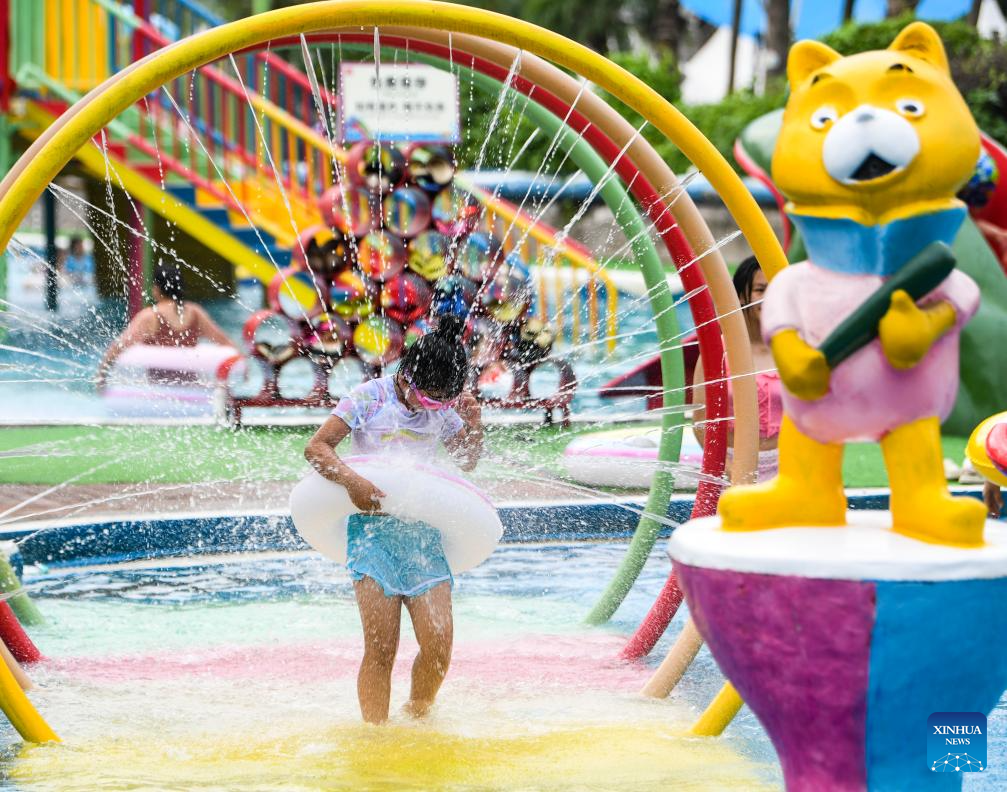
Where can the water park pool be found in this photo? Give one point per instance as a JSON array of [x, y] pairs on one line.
[[188, 637], [240, 673], [227, 672]]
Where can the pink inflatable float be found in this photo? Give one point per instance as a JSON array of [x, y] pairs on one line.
[[160, 380]]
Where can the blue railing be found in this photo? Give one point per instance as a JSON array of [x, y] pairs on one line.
[[175, 19]]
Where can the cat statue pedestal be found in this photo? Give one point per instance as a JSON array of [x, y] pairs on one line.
[[845, 640]]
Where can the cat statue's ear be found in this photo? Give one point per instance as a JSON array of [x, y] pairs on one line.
[[921, 41], [807, 57]]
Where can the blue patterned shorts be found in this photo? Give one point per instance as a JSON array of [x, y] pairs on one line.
[[405, 558]]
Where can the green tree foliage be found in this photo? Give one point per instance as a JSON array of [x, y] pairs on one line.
[[979, 68], [661, 74], [494, 140], [721, 122], [978, 65], [600, 25], [603, 26], [724, 121]]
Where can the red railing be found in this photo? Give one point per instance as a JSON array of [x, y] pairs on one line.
[[210, 127]]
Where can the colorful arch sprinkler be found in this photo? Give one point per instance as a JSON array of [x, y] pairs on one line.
[[654, 186], [74, 130]]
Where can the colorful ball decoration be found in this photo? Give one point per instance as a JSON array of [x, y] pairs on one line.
[[406, 298], [337, 254], [455, 212], [478, 256], [378, 340], [321, 251], [428, 255], [377, 167], [509, 294], [349, 210], [350, 296], [485, 329], [416, 331], [268, 336], [329, 336], [381, 256], [453, 295], [432, 167], [977, 191], [295, 294], [487, 340], [311, 238], [407, 211]]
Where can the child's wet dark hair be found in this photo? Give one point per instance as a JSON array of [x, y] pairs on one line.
[[744, 277], [168, 279], [437, 363]]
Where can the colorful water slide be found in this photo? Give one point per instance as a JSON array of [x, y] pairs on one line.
[[225, 154], [194, 153]]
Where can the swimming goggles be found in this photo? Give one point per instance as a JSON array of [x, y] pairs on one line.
[[425, 401]]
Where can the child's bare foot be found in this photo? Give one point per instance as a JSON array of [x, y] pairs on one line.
[[417, 709]]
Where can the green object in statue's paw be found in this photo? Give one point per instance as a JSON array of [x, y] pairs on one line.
[[921, 275]]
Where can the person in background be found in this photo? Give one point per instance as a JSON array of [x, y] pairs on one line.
[[170, 321], [750, 284], [993, 498], [76, 263]]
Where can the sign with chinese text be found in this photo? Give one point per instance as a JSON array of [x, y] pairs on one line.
[[397, 102]]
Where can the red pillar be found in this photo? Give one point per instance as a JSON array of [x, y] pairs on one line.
[[16, 639], [6, 80], [136, 281], [140, 8]]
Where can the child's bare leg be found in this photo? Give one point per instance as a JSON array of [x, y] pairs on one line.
[[434, 629], [381, 618]]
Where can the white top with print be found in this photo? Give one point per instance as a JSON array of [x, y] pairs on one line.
[[380, 423]]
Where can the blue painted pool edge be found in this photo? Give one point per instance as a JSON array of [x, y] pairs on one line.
[[137, 537]]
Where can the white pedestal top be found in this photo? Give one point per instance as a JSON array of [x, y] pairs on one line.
[[865, 549]]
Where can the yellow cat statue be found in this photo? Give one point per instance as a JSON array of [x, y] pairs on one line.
[[865, 332]]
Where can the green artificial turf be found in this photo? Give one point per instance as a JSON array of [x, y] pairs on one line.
[[863, 465], [132, 454], [190, 454]]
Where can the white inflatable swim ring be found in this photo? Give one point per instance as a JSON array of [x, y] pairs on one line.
[[469, 524], [627, 457], [202, 360]]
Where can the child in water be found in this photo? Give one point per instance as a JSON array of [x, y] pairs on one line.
[[394, 563]]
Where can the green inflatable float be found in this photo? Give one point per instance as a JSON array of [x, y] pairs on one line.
[[983, 389]]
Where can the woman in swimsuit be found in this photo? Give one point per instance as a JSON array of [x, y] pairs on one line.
[[750, 283], [170, 321]]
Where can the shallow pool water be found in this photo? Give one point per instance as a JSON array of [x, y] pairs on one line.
[[240, 674]]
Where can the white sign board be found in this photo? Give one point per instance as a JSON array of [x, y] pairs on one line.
[[399, 102]]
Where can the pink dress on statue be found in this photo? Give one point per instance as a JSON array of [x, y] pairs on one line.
[[867, 396]]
